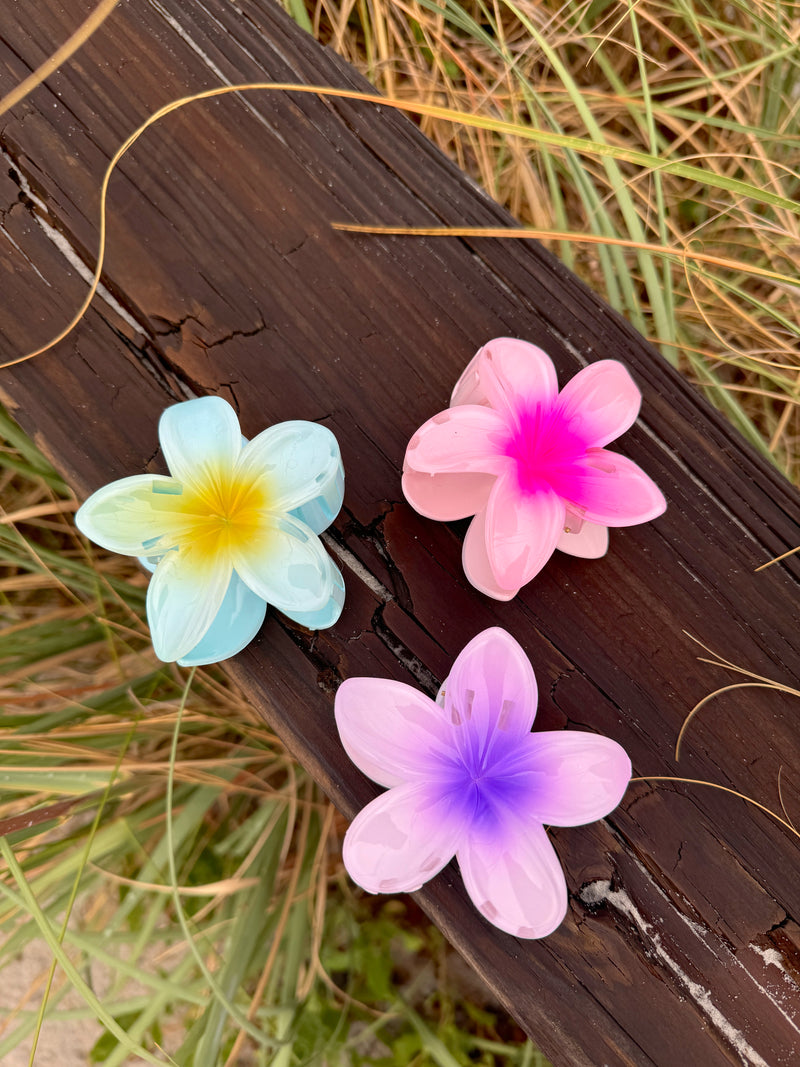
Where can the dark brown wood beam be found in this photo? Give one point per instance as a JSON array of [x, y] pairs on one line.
[[223, 275]]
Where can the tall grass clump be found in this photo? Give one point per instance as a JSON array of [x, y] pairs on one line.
[[182, 871], [697, 261]]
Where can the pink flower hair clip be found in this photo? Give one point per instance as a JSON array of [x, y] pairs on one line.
[[467, 778], [530, 463]]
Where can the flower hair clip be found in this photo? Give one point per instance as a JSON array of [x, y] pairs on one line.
[[529, 463], [232, 528], [467, 778]]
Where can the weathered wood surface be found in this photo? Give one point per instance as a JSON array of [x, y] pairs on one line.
[[681, 944]]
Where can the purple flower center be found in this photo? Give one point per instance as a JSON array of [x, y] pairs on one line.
[[485, 782], [541, 443]]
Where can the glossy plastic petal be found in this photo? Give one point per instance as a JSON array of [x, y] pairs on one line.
[[599, 403], [609, 489], [301, 463], [391, 731], [446, 497], [240, 617], [285, 564], [584, 539], [475, 560], [469, 389], [183, 598], [515, 880], [199, 437], [462, 440], [577, 777], [522, 531], [329, 613], [401, 840], [514, 374], [490, 696], [133, 514], [320, 512]]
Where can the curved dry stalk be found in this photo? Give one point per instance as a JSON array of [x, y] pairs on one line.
[[758, 681], [224, 888], [534, 136], [706, 699], [780, 797], [722, 788], [60, 56]]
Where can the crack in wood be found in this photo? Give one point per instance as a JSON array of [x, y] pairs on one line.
[[372, 533], [412, 663], [66, 244]]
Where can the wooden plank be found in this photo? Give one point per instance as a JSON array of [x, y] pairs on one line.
[[681, 943]]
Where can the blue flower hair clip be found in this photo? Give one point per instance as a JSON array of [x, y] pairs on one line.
[[232, 528]]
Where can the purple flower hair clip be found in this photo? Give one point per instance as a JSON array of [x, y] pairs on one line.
[[467, 778], [530, 463]]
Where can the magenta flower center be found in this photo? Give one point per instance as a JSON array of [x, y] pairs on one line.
[[541, 443]]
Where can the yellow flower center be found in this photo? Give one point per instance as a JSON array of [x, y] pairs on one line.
[[218, 512]]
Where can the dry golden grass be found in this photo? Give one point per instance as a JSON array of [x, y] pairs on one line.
[[709, 84]]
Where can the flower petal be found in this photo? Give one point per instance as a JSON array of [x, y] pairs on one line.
[[199, 437], [302, 464], [522, 530], [576, 777], [391, 731], [447, 496], [490, 696], [401, 840], [515, 879], [133, 515], [600, 402], [183, 598], [285, 564], [329, 613], [609, 489], [475, 560], [506, 374], [467, 439], [240, 617], [320, 512], [469, 387], [588, 540]]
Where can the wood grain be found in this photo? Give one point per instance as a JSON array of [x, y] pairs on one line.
[[224, 276]]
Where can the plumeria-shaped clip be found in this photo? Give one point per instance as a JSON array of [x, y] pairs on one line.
[[233, 527], [529, 463], [466, 777]]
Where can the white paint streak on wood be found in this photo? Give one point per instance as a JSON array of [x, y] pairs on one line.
[[727, 958], [600, 892], [22, 181], [63, 245], [772, 958], [212, 66], [22, 252], [75, 261], [357, 567]]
